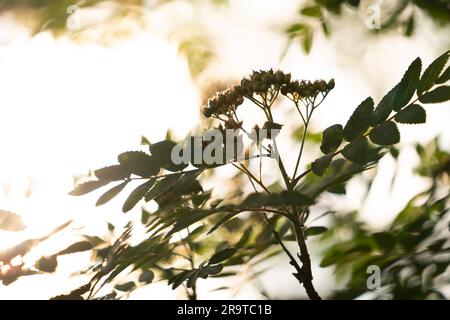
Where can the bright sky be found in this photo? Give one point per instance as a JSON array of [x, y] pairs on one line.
[[67, 107]]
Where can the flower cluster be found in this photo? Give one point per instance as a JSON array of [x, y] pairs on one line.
[[265, 84], [261, 81], [306, 89], [223, 103]]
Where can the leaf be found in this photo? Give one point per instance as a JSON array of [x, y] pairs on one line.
[[214, 270], [359, 121], [312, 11], [162, 151], [408, 85], [356, 151], [110, 194], [162, 186], [384, 108], [432, 73], [445, 76], [10, 221], [288, 198], [222, 255], [314, 231], [222, 221], [438, 95], [76, 247], [139, 163], [412, 114], [87, 187], [385, 134], [332, 138], [146, 276], [188, 218], [319, 166], [113, 173], [47, 264], [137, 194], [124, 287], [385, 240]]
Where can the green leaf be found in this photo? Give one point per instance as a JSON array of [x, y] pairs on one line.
[[214, 270], [139, 163], [110, 194], [385, 240], [137, 194], [113, 173], [76, 247], [124, 287], [356, 151], [438, 95], [408, 85], [87, 187], [162, 186], [412, 114], [312, 11], [319, 166], [332, 138], [432, 73], [314, 231], [385, 134], [445, 76], [384, 108], [222, 255], [162, 151], [10, 221], [146, 276], [359, 121]]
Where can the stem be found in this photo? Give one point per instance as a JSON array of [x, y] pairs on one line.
[[305, 276]]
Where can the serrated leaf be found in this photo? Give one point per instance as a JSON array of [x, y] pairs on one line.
[[438, 95], [222, 255], [162, 151], [110, 194], [76, 247], [412, 114], [125, 287], [432, 73], [384, 108], [359, 121], [139, 163], [113, 173], [332, 138], [10, 221], [137, 194], [319, 166], [87, 187], [408, 85], [356, 150], [385, 134], [314, 231]]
